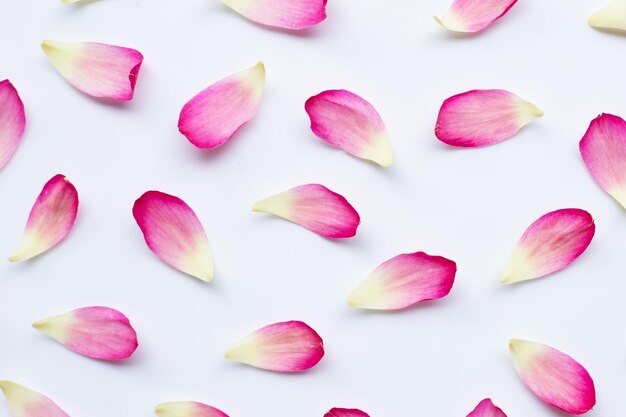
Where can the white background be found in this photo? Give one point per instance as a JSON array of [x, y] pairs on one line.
[[439, 359]]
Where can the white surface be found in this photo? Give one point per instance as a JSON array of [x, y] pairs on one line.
[[439, 359]]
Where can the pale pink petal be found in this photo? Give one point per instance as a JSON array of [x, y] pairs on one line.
[[474, 15], [96, 332], [12, 121], [187, 409], [24, 402], [405, 280], [350, 123], [550, 244], [612, 16], [215, 114], [486, 408], [96, 69], [553, 376], [174, 233], [346, 412], [290, 346], [603, 149], [286, 14], [483, 117], [316, 208], [50, 219]]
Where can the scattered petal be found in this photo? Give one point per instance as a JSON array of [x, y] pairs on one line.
[[474, 15], [286, 14], [174, 233], [24, 402], [612, 16], [215, 114], [290, 346], [50, 219], [96, 69], [553, 376], [486, 408], [483, 117], [550, 244], [187, 409], [96, 332], [350, 123], [345, 412], [603, 149], [405, 280], [12, 121], [316, 208]]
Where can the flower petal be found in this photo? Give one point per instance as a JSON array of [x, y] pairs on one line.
[[350, 123], [474, 15], [286, 14], [215, 114], [50, 219], [290, 346], [553, 376], [611, 16], [187, 409], [96, 69], [486, 408], [405, 280], [603, 149], [316, 208], [24, 402], [12, 121], [96, 332], [174, 233], [345, 412], [483, 117], [550, 244]]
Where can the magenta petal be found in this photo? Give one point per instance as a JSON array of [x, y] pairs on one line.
[[345, 412], [12, 121], [286, 14], [24, 402], [474, 15], [486, 408]]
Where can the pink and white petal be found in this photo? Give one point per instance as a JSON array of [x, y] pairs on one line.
[[483, 117], [612, 16], [290, 346], [474, 15], [405, 280], [316, 208], [12, 121], [187, 409], [24, 402], [96, 69], [174, 233], [50, 219], [350, 123], [215, 114], [486, 408], [603, 149], [550, 244], [95, 332], [286, 14], [345, 412], [553, 376]]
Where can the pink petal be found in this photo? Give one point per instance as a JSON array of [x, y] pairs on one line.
[[345, 412], [12, 121], [603, 149], [96, 69], [474, 15], [611, 16], [215, 114], [187, 409], [405, 280], [486, 408], [50, 219], [24, 402], [483, 117], [290, 346], [96, 332], [553, 376], [316, 208], [350, 123], [286, 14], [550, 244], [174, 233]]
